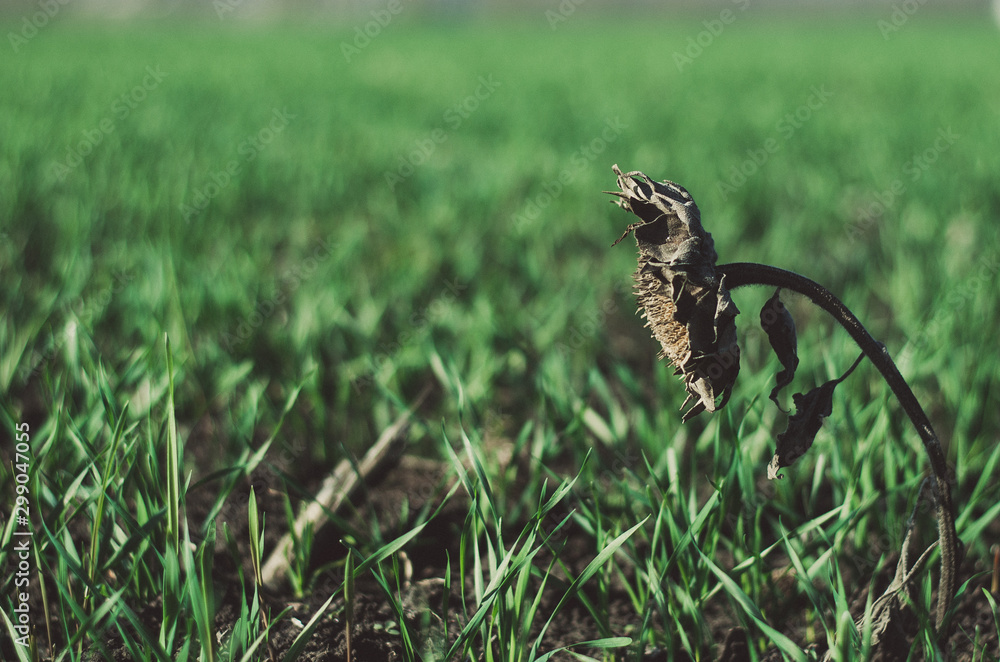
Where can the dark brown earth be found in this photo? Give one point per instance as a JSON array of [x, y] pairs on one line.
[[375, 634]]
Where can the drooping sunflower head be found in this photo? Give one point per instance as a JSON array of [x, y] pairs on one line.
[[684, 301]]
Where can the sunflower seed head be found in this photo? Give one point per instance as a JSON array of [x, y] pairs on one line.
[[687, 306]]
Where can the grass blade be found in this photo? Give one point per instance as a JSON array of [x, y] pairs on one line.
[[173, 468], [585, 576], [786, 645]]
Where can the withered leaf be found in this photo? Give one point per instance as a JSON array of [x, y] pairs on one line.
[[779, 326], [810, 410]]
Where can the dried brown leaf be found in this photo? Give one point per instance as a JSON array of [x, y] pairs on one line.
[[810, 410], [777, 322]]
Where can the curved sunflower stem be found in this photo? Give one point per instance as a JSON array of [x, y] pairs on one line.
[[746, 273]]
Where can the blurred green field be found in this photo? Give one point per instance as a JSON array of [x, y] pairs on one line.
[[428, 210]]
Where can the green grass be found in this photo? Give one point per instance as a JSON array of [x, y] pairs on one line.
[[315, 295]]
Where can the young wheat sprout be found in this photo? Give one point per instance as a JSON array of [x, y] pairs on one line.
[[685, 298]]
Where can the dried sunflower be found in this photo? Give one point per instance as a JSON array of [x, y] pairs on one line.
[[685, 302], [684, 296]]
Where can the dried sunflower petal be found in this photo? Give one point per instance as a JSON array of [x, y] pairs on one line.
[[686, 304]]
